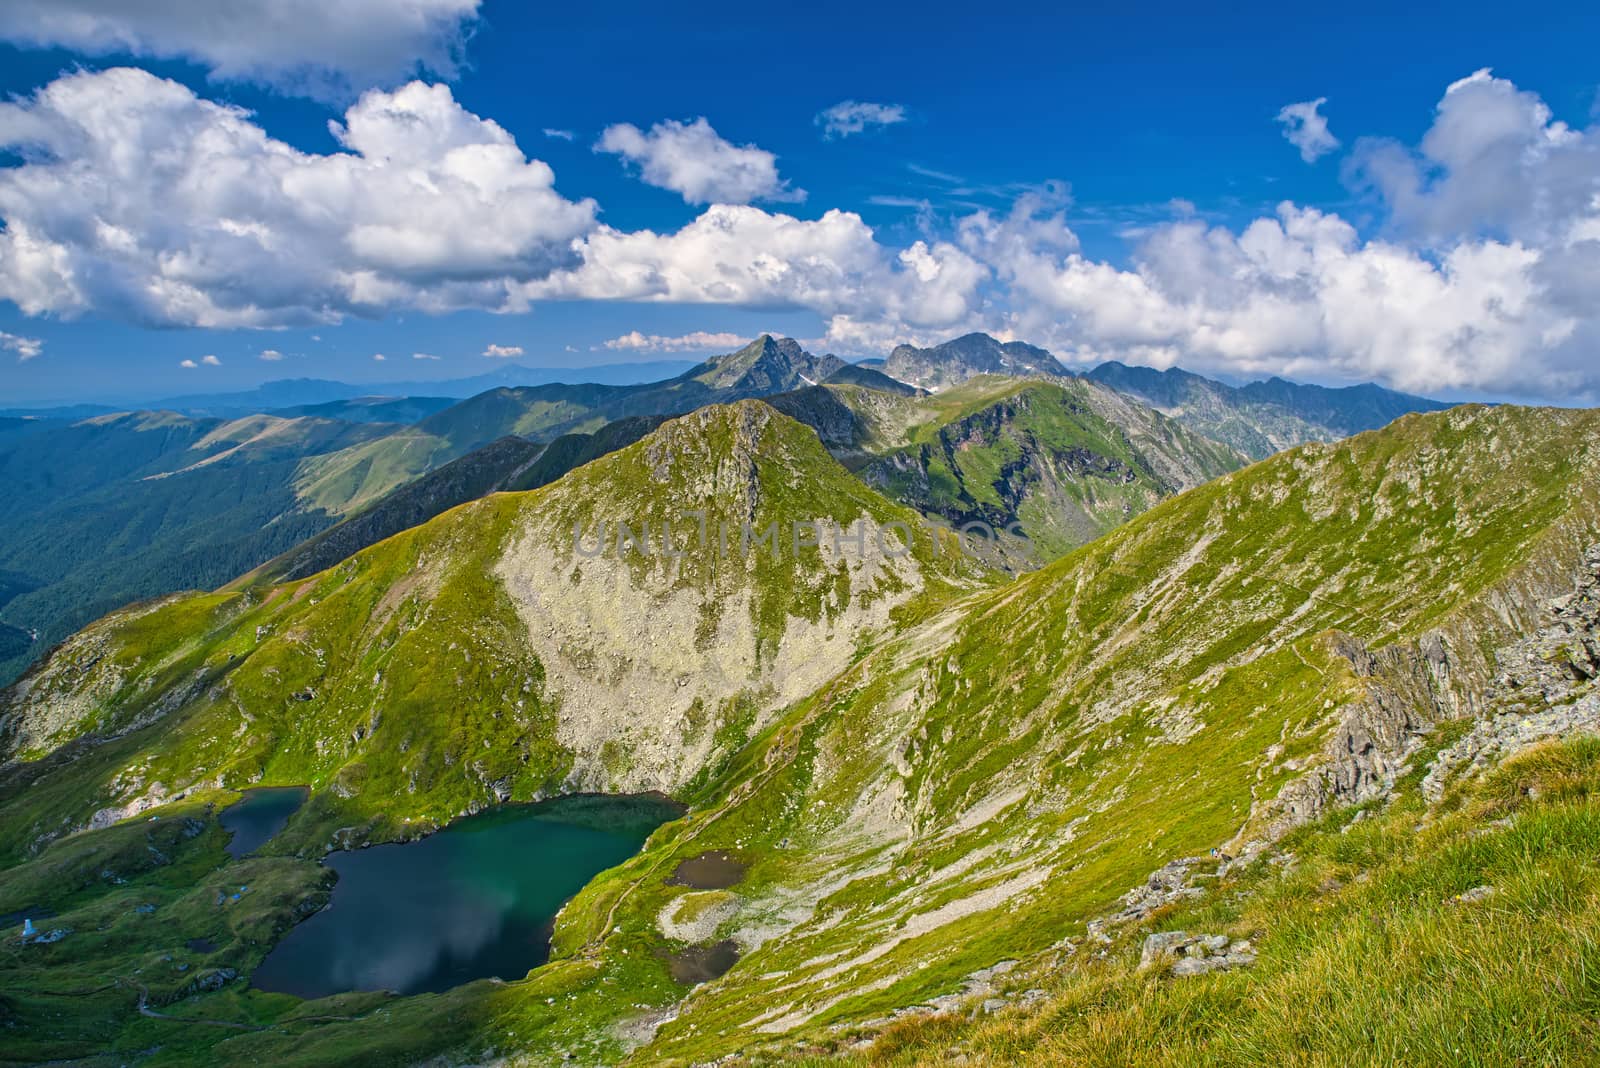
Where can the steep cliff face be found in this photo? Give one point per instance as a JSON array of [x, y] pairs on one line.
[[714, 640], [1545, 686]]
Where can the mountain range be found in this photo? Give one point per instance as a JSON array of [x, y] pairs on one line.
[[307, 392], [1047, 462], [1034, 466], [1260, 418]]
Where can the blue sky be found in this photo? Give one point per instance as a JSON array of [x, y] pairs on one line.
[[1089, 180]]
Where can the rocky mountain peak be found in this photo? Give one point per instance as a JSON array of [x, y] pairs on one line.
[[953, 362], [767, 365]]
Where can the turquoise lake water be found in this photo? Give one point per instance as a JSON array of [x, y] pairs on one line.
[[475, 900]]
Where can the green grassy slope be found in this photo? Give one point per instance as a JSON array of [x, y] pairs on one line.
[[152, 921], [429, 651], [125, 506], [977, 791], [509, 464], [349, 481], [1376, 943], [43, 466], [410, 685], [1061, 461]]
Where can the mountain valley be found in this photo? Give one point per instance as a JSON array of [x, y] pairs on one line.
[[943, 787]]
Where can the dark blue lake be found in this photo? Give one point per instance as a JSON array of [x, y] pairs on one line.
[[475, 900], [259, 815]]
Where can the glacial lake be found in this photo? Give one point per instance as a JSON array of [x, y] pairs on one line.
[[473, 901], [259, 815]]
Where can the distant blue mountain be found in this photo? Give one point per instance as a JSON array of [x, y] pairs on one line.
[[1260, 418], [306, 392]]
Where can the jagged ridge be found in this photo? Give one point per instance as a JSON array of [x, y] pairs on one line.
[[953, 362]]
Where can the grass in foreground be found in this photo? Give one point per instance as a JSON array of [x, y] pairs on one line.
[[1368, 952]]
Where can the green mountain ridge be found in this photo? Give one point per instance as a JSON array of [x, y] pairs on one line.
[[80, 488], [370, 409], [1197, 678], [743, 463], [1087, 459], [1060, 461], [507, 465], [356, 478], [83, 487], [926, 773], [122, 507]]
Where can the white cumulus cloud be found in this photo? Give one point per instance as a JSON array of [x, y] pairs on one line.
[[854, 116], [210, 361], [380, 357], [690, 159], [1494, 162], [697, 340], [1306, 128], [322, 47], [503, 351], [1300, 294], [423, 356], [742, 255], [140, 200], [271, 355], [26, 348]]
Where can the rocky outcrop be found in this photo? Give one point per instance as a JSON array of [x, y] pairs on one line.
[[767, 365], [1195, 954], [1399, 693], [1546, 686], [1563, 659], [85, 686], [1170, 884]]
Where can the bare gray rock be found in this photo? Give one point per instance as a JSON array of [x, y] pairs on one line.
[[1195, 954]]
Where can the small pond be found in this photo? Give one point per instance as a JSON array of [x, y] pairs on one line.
[[475, 900], [715, 869], [258, 816]]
